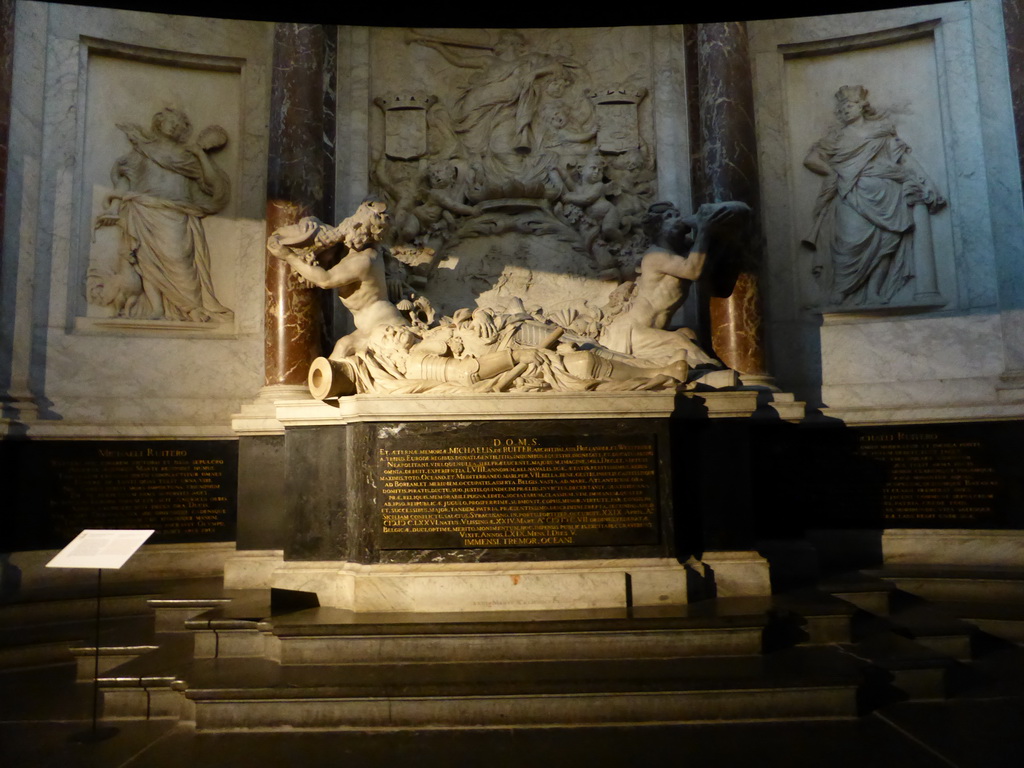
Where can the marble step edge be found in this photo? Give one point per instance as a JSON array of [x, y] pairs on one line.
[[805, 666], [565, 646], [459, 689], [985, 572], [892, 651], [34, 654], [527, 709], [91, 662], [238, 676]]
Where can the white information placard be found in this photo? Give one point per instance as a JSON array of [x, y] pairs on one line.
[[100, 549]]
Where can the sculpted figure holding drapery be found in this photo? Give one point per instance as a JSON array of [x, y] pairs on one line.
[[865, 220], [163, 188]]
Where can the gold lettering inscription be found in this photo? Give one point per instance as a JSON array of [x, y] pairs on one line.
[[932, 477], [162, 488], [512, 492]]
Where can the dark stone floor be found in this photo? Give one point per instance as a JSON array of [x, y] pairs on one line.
[[43, 709]]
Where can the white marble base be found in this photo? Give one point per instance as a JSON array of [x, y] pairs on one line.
[[516, 586], [952, 547], [519, 586], [251, 568], [511, 405], [738, 574]]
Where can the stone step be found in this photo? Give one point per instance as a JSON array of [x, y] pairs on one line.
[[140, 688], [335, 636], [110, 656], [173, 612], [816, 616], [917, 672], [1005, 620], [34, 654], [242, 694], [929, 625], [49, 636], [869, 593], [987, 584]]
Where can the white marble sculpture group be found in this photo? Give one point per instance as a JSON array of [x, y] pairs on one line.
[[405, 348], [513, 246]]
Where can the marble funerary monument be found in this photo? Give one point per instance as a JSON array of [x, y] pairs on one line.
[[495, 318]]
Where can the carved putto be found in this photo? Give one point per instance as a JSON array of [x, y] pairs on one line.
[[871, 233], [164, 186]]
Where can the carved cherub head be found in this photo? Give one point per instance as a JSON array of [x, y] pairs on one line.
[[593, 168], [442, 174], [366, 226], [557, 84], [172, 123]]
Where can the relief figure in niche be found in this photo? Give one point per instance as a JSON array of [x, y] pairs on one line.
[[873, 199], [163, 188]]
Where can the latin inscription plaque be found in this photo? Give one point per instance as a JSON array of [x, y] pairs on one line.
[[966, 475], [519, 492], [184, 490], [933, 478]]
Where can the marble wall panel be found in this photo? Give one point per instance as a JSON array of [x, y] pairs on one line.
[[78, 73], [531, 103], [940, 72]]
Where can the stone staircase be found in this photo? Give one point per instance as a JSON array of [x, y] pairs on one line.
[[256, 665], [232, 661]]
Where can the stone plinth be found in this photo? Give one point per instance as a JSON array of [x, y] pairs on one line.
[[515, 502]]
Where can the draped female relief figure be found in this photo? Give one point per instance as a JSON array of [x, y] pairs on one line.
[[164, 186], [870, 233]]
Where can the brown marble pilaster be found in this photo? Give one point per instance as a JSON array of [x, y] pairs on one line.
[[6, 70], [299, 183], [728, 160]]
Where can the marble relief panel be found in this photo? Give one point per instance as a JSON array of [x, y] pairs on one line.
[[869, 183], [517, 164], [159, 235]]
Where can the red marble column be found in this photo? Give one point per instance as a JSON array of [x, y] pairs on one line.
[[728, 152], [299, 182]]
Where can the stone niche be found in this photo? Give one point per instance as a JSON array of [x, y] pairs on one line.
[[518, 165], [138, 156], [905, 312]]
